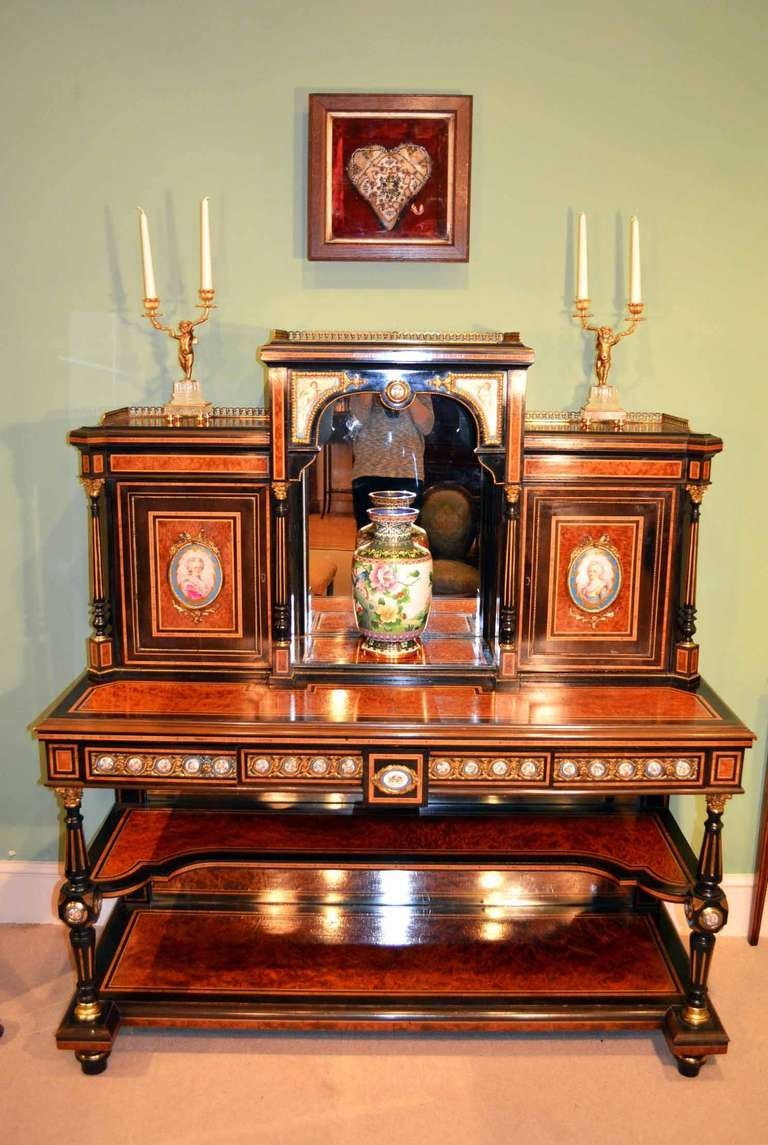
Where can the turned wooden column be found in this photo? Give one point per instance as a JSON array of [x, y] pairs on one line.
[[686, 648], [281, 629], [100, 656], [707, 912], [508, 611], [281, 619], [79, 905], [513, 478]]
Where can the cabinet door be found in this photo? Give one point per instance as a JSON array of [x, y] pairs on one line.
[[192, 563], [597, 579]]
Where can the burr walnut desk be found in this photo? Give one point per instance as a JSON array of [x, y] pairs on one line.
[[477, 837]]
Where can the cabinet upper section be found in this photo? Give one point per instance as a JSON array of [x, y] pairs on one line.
[[227, 545]]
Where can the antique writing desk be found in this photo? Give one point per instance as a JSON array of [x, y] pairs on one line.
[[474, 838]]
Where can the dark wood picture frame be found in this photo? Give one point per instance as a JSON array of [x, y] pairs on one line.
[[406, 199]]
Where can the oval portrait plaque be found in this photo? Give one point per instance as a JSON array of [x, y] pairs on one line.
[[195, 575], [594, 577]]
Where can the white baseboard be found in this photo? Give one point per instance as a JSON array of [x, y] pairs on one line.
[[28, 893]]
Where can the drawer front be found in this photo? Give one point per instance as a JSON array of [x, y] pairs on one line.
[[598, 576], [378, 773], [501, 770], [149, 767], [192, 561], [596, 769], [277, 769]]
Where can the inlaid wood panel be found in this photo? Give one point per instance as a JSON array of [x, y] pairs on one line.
[[389, 951], [633, 844], [252, 464], [108, 763], [597, 591], [553, 707], [588, 770], [396, 777], [193, 559], [315, 713], [62, 761], [648, 469], [726, 766]]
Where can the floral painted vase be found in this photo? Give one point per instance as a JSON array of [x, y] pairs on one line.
[[393, 499], [392, 583]]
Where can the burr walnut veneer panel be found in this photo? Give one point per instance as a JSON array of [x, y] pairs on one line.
[[545, 706], [633, 633], [164, 623], [354, 953], [635, 847]]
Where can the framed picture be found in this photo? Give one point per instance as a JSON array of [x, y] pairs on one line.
[[389, 177]]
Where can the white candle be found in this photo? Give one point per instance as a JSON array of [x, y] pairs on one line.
[[150, 290], [206, 273], [582, 266], [635, 287]]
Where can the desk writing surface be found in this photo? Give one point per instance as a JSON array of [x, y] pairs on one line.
[[255, 708]]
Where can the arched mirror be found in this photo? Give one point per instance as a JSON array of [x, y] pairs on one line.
[[396, 470], [375, 458]]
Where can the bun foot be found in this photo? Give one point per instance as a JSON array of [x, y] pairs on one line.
[[92, 1064], [690, 1066]]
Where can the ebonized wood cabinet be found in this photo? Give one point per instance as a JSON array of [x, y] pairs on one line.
[[272, 866]]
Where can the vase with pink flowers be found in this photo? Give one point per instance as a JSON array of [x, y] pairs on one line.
[[392, 583]]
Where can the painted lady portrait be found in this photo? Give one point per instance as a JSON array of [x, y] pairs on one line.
[[195, 575], [594, 577]]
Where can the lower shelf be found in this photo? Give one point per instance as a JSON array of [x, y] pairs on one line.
[[376, 956], [383, 968]]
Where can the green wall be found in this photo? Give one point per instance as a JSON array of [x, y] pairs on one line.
[[657, 109]]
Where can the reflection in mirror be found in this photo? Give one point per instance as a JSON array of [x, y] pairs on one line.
[[424, 452]]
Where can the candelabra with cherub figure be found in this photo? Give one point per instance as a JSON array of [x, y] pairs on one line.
[[603, 404], [187, 398]]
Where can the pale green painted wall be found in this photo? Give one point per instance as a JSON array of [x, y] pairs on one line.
[[657, 108]]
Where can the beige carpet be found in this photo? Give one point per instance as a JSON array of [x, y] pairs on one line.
[[171, 1088]]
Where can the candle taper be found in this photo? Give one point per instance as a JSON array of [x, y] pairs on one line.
[[635, 287], [582, 262], [150, 289], [206, 271]]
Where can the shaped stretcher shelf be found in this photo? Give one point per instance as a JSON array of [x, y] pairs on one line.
[[634, 848]]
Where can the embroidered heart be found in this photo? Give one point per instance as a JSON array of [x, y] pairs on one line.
[[389, 179]]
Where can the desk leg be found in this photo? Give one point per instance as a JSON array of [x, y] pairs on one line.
[[696, 1030], [79, 908]]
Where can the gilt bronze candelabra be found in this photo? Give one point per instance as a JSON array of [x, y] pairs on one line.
[[187, 398], [603, 403]]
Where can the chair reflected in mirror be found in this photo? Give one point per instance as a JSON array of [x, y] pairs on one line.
[[449, 516]]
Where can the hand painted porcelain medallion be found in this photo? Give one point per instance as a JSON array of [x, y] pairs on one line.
[[594, 575], [392, 583], [195, 572]]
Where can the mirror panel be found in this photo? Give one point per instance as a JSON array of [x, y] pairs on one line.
[[426, 448]]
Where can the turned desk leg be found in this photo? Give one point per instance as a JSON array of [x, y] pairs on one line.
[[79, 908], [706, 911], [698, 1032]]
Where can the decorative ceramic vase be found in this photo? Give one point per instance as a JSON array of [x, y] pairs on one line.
[[393, 499], [392, 583]]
